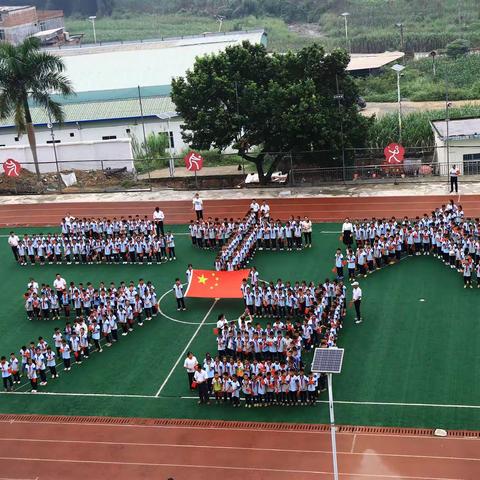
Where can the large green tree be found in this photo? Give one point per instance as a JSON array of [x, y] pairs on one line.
[[29, 75], [272, 104]]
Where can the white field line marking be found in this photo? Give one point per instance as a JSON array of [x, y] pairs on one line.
[[226, 447], [180, 357], [215, 467], [394, 404], [229, 429], [161, 312], [133, 395]]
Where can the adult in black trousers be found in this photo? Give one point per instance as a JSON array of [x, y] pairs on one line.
[[454, 179]]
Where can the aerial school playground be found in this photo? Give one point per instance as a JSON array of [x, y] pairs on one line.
[[403, 368]]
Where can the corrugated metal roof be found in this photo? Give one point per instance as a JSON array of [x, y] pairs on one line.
[[121, 66], [458, 129], [96, 111], [367, 61]]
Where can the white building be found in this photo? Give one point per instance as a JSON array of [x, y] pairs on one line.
[[109, 105], [463, 145]]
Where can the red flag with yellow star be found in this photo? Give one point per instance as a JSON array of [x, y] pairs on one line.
[[213, 284]]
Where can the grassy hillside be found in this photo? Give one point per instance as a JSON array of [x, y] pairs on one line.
[[428, 24], [419, 84], [128, 26]]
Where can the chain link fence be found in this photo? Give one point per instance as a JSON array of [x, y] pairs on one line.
[[302, 169]]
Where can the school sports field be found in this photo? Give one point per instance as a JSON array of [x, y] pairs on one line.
[[411, 363]]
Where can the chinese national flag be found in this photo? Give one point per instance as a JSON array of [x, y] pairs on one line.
[[213, 284]]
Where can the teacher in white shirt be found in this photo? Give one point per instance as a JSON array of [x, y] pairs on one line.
[[357, 300], [347, 229], [13, 242], [189, 365], [198, 206], [201, 379], [158, 218]]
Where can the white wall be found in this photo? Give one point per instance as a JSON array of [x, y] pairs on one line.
[[88, 132], [457, 149], [70, 155]]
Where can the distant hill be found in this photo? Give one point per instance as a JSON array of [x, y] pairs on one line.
[[427, 24]]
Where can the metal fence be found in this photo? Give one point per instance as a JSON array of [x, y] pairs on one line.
[[231, 171]]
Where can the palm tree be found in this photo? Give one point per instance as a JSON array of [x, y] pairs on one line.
[[27, 73]]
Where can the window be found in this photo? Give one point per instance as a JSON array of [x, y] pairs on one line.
[[2, 33], [43, 26], [109, 137], [127, 130], [16, 139], [2, 145], [56, 141], [171, 143], [471, 156], [72, 134]]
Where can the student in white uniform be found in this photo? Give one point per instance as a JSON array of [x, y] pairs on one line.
[[357, 300], [179, 295]]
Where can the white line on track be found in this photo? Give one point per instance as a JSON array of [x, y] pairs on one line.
[[180, 357], [157, 396], [215, 467], [227, 447]]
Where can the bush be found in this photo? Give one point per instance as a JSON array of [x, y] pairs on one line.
[[457, 48]]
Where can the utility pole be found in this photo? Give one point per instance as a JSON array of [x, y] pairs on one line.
[[345, 16], [402, 42], [339, 97]]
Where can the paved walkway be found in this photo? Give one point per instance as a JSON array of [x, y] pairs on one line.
[[181, 172], [285, 192]]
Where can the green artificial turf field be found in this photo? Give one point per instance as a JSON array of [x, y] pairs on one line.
[[411, 363]]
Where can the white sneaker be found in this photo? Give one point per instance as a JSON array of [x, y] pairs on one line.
[[358, 321]]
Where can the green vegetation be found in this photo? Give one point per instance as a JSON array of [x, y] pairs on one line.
[[427, 24], [28, 74], [416, 129], [418, 82], [277, 104], [128, 26]]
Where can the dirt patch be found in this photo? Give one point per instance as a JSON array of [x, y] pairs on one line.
[[311, 30], [87, 181]]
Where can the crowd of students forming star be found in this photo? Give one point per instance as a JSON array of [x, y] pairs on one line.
[[236, 240], [97, 240], [445, 234], [264, 365], [95, 317]]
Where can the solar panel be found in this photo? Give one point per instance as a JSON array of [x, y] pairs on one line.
[[327, 360]]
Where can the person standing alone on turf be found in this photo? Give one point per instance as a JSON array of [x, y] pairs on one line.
[[198, 206], [307, 232], [454, 172], [357, 300], [158, 218], [178, 289], [13, 241]]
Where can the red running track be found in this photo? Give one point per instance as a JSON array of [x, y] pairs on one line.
[[82, 448], [332, 209]]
